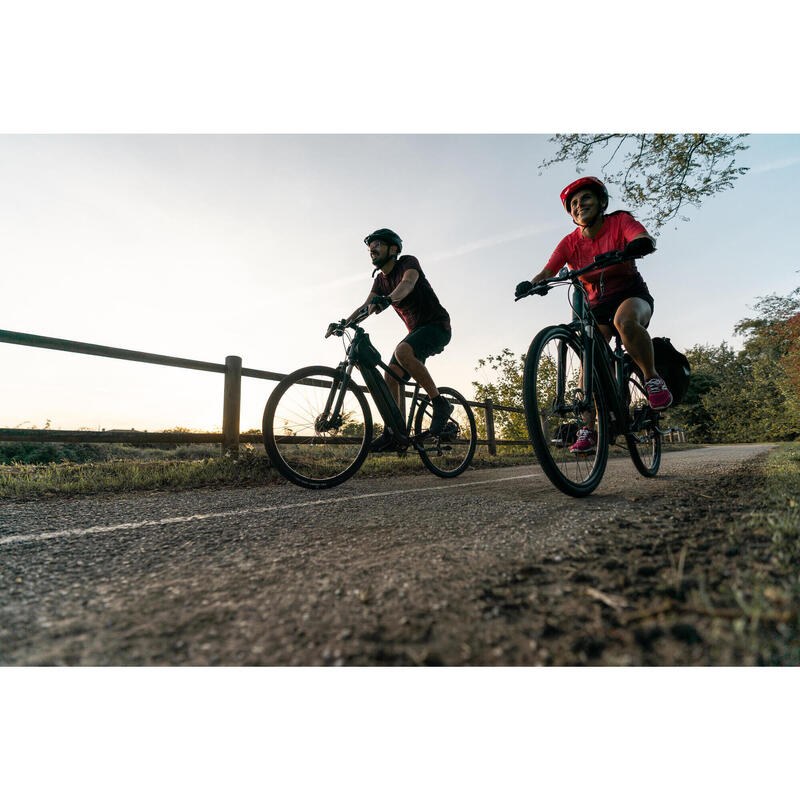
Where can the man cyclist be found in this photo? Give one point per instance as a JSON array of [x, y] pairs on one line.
[[618, 295], [402, 283]]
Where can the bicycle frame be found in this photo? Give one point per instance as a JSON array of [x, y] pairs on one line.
[[609, 364], [385, 403], [599, 356]]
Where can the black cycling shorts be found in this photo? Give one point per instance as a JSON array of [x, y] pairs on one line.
[[604, 312], [425, 341]]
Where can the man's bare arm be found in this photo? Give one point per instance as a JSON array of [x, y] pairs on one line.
[[406, 285], [367, 302]]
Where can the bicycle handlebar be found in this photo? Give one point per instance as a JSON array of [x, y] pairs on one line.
[[338, 328], [603, 261]]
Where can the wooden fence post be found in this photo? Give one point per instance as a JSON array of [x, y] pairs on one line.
[[490, 426], [231, 405]]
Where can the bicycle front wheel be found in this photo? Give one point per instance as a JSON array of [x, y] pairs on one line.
[[556, 409], [643, 437], [308, 439], [450, 453]]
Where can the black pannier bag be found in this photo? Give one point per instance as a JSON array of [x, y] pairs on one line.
[[672, 366]]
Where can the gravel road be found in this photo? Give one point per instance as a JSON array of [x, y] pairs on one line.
[[411, 570]]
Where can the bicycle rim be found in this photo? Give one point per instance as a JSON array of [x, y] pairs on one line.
[[643, 438], [450, 454], [306, 446], [552, 392]]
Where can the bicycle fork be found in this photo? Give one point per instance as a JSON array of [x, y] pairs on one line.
[[575, 400], [331, 418]]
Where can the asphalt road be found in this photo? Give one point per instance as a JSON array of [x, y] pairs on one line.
[[283, 575]]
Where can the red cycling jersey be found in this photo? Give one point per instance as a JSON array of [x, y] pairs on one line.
[[578, 251]]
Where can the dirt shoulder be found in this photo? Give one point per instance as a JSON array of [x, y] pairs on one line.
[[703, 577]]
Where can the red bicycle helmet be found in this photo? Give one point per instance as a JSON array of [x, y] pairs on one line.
[[585, 182]]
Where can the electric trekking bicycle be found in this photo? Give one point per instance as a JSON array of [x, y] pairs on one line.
[[572, 378], [317, 424]]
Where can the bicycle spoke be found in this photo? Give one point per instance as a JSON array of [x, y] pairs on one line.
[[450, 453], [306, 445]]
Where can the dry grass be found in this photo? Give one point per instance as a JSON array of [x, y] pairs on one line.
[[252, 468]]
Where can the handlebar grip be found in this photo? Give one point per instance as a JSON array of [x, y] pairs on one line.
[[336, 328], [536, 288]]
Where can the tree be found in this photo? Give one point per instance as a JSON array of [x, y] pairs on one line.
[[752, 394], [659, 173], [506, 390], [773, 346]]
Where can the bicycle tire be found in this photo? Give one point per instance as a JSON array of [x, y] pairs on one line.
[[450, 454], [643, 437], [550, 429], [302, 454]]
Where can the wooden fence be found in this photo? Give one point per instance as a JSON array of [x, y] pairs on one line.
[[232, 369]]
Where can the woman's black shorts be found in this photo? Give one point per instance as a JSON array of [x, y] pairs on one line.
[[604, 312]]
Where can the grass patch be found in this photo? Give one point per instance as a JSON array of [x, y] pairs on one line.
[[85, 452], [200, 466], [34, 481], [30, 482], [769, 592]]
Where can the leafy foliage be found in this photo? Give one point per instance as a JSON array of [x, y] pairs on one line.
[[753, 394], [659, 173], [505, 390]]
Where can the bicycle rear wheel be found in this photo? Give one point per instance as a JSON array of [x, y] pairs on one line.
[[643, 437], [553, 394], [450, 453], [308, 445]]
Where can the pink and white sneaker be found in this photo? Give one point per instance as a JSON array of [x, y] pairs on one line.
[[658, 395], [585, 444]]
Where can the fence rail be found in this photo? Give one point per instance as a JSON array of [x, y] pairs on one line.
[[232, 369]]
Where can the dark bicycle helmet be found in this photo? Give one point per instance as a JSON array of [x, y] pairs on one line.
[[385, 235], [586, 182]]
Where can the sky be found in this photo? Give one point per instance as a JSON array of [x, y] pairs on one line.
[[203, 246]]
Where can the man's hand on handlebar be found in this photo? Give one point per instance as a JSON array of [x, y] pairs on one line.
[[336, 328], [381, 303]]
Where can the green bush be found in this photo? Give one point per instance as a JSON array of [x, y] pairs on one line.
[[84, 453]]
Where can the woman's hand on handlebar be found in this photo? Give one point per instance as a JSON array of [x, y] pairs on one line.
[[640, 246], [526, 288]]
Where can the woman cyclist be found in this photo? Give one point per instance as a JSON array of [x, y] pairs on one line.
[[618, 295]]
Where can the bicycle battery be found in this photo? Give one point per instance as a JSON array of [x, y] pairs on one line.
[[366, 353]]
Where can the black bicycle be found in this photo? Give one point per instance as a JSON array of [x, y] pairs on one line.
[[317, 425], [572, 377]]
